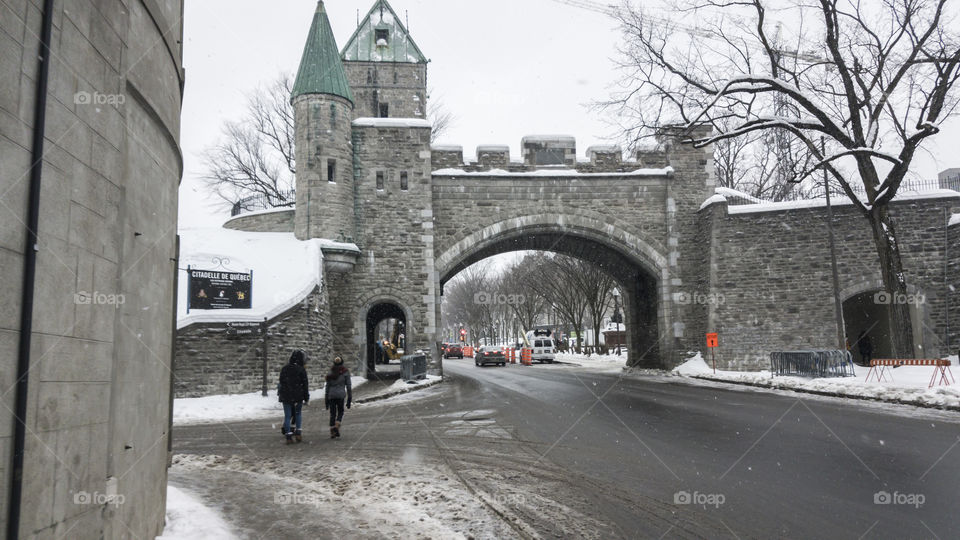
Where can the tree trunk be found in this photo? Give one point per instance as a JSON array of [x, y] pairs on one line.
[[891, 269]]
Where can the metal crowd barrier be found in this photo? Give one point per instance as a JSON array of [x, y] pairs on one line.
[[812, 363], [413, 367]]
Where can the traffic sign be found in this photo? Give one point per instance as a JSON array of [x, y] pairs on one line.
[[713, 340]]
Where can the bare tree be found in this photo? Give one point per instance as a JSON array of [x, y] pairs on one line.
[[861, 84], [440, 116], [517, 281], [461, 298], [255, 155], [555, 278]]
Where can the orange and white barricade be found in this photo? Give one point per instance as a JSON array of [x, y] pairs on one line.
[[526, 356], [942, 376]]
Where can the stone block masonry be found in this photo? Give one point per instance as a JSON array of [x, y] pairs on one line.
[[770, 288], [212, 360], [98, 413]]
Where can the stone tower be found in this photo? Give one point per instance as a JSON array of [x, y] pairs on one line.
[[385, 67], [323, 112]]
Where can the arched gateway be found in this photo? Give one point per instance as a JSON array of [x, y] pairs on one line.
[[399, 217]]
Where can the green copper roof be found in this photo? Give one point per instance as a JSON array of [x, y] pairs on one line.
[[321, 70], [381, 37]]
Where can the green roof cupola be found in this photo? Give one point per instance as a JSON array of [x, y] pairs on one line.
[[321, 70], [382, 37]]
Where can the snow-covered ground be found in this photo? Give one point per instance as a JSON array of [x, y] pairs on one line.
[[237, 407], [189, 519], [410, 496], [597, 362], [906, 384]]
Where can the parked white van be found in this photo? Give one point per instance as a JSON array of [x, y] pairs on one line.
[[544, 349]]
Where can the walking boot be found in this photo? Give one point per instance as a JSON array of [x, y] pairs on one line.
[[333, 433], [298, 435], [336, 429]]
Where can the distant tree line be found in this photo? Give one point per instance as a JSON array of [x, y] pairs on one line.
[[541, 289]]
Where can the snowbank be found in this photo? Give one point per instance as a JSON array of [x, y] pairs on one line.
[[285, 270], [238, 407], [596, 362], [907, 384], [189, 519]]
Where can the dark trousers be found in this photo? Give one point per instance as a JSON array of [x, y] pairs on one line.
[[336, 411]]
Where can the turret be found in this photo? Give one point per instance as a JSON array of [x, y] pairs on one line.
[[323, 111]]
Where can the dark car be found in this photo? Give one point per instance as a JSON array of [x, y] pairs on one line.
[[490, 355], [453, 350]]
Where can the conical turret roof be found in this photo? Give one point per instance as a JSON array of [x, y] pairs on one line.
[[321, 70]]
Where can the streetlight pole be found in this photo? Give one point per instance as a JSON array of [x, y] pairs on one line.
[[617, 317]]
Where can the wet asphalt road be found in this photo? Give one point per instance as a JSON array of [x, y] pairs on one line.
[[630, 454]]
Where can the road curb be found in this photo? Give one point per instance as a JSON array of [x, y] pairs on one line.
[[828, 394], [394, 393]]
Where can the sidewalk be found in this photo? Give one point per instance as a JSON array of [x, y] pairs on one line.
[[254, 406]]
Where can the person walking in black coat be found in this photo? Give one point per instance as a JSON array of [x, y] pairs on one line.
[[866, 348], [339, 392], [293, 391]]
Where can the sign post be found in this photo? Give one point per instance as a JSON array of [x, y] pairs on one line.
[[713, 341]]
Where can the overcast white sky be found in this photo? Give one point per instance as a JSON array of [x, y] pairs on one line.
[[505, 68]]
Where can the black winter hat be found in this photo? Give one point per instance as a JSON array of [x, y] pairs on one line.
[[298, 357]]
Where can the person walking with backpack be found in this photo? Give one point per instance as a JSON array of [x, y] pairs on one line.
[[293, 391], [339, 393]]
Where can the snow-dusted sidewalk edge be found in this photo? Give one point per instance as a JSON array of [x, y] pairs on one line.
[[938, 397], [402, 387], [189, 519]]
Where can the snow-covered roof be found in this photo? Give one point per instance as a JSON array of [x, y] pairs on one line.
[[392, 122], [954, 220], [552, 172], [285, 270]]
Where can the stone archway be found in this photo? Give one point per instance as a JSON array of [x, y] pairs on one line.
[[370, 315], [866, 308], [638, 268]]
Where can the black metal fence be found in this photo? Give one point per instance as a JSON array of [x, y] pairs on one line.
[[812, 363], [263, 201]]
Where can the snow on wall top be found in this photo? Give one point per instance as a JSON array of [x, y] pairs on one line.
[[493, 148], [817, 203], [552, 172], [446, 148], [392, 122], [285, 270], [551, 139], [604, 149], [954, 220]]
